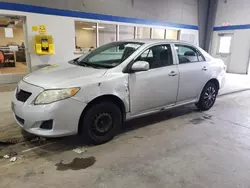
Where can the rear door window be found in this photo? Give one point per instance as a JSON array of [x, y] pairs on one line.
[[188, 54]]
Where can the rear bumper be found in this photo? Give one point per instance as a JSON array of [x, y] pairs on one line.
[[222, 79], [65, 114]]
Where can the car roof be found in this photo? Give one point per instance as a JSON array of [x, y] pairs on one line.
[[152, 41]]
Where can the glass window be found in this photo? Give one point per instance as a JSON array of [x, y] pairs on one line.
[[200, 56], [146, 54], [107, 33], [126, 32], [143, 33], [157, 56], [85, 36], [225, 44], [109, 55], [171, 34], [186, 54], [12, 46], [158, 33]]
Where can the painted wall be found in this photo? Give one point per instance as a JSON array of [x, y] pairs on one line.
[[176, 11], [234, 13], [62, 28], [63, 31]]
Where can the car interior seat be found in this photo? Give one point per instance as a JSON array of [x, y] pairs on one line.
[[191, 56], [166, 57], [156, 61]]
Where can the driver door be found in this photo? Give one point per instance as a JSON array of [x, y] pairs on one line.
[[156, 87]]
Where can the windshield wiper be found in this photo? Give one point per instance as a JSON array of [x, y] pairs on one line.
[[86, 64]]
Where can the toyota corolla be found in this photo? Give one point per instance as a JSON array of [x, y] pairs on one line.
[[94, 94]]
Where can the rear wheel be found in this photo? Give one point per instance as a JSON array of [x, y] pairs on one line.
[[208, 96], [101, 122]]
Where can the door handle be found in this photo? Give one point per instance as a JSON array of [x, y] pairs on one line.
[[204, 69], [172, 73]]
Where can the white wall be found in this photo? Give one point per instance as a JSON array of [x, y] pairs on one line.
[[234, 12]]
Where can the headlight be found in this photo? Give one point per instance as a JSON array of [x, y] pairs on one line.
[[49, 96]]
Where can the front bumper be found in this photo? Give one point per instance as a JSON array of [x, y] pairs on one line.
[[65, 114]]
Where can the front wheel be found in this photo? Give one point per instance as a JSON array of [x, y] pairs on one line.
[[101, 122], [208, 96]]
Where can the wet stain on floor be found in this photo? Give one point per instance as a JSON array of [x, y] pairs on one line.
[[197, 121], [76, 164], [207, 117]]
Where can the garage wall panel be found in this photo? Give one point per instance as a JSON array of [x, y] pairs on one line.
[[235, 12], [176, 11], [233, 17], [62, 27]]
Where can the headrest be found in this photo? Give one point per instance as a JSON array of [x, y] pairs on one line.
[[190, 53]]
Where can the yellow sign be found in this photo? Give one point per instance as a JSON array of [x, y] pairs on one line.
[[34, 28], [42, 29]]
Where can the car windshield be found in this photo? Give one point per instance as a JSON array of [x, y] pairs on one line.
[[109, 55]]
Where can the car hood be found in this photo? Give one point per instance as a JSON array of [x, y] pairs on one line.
[[54, 75]]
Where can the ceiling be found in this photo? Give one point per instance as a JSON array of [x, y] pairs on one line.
[[11, 22]]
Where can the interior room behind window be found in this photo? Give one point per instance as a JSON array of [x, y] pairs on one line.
[[85, 36]]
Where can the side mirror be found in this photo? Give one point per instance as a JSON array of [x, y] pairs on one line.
[[140, 66]]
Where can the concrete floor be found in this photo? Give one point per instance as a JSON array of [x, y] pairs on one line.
[[235, 83], [178, 148]]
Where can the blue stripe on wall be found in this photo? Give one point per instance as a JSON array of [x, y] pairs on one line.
[[232, 27], [78, 14]]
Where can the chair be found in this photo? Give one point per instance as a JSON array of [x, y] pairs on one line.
[[2, 59]]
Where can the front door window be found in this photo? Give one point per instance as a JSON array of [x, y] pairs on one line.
[[157, 56]]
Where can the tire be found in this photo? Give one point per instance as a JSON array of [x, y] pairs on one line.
[[208, 97], [101, 123]]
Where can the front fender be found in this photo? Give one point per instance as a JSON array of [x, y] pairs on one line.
[[116, 85]]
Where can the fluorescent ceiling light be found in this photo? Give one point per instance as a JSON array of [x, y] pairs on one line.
[[99, 27], [87, 28]]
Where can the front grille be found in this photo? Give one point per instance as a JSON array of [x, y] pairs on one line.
[[20, 120], [22, 95]]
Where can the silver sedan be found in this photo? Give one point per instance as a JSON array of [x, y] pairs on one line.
[[94, 94]]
